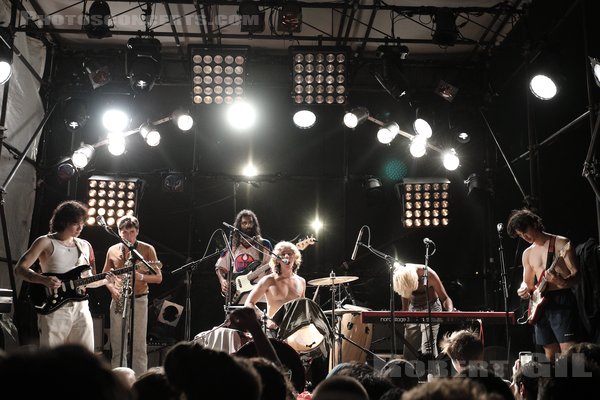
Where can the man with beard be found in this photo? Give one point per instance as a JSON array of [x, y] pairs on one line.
[[246, 258]]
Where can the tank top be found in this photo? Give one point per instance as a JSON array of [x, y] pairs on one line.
[[65, 258]]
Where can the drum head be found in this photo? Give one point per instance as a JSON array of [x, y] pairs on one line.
[[288, 357]]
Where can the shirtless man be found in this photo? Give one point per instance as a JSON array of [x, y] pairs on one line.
[[282, 284], [556, 330]]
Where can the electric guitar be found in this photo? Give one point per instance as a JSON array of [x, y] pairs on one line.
[[537, 299], [46, 301], [243, 280]]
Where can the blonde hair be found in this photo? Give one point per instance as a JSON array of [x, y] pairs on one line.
[[279, 247], [406, 280]]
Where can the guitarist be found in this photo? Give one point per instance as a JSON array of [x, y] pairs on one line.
[[59, 252], [557, 328], [245, 252]]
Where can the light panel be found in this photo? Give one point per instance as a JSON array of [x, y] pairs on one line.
[[319, 75], [218, 74], [425, 202], [112, 198]]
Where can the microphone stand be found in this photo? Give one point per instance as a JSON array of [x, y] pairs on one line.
[[390, 261], [426, 283], [504, 284], [189, 269], [125, 292]]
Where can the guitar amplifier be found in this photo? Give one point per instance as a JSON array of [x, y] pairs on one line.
[[6, 301]]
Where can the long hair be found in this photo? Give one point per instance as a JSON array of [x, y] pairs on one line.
[[66, 213], [406, 280], [520, 220], [238, 224]]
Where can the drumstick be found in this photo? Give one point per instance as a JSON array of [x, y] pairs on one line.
[[316, 292]]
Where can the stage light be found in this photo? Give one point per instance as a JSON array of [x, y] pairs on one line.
[[445, 32], [304, 119], [173, 182], [98, 73], [65, 171], [319, 75], [82, 156], [112, 198], [97, 21], [218, 74], [388, 132], [451, 160], [595, 69], [418, 146], [249, 170], [5, 62], [116, 143], [75, 114], [422, 128], [446, 91], [290, 17], [241, 115], [425, 202], [143, 63], [150, 134], [183, 119], [115, 120], [390, 76], [463, 137], [170, 313], [253, 20], [355, 117], [316, 225], [543, 87]]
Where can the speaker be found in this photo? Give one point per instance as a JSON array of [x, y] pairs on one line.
[[156, 353], [100, 335]]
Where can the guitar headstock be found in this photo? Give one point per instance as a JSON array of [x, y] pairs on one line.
[[564, 249], [303, 244]]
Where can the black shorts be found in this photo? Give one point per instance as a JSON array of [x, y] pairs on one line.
[[559, 322]]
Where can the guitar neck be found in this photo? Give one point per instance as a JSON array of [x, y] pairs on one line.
[[258, 271], [100, 276]]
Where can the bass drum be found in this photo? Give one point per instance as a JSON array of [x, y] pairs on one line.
[[287, 355]]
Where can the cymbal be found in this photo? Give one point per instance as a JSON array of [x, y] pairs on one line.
[[338, 311], [332, 280]]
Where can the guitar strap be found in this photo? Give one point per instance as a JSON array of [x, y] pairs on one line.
[[80, 252], [550, 256]]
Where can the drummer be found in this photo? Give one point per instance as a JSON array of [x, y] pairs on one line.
[[282, 284]]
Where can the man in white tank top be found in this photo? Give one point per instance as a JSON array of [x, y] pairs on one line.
[[59, 252]]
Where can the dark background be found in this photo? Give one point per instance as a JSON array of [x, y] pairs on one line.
[[322, 171]]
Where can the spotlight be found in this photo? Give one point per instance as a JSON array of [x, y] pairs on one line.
[[543, 87], [249, 170], [115, 120], [97, 21], [463, 137], [5, 62], [219, 74], [390, 76], [116, 143], [422, 128], [425, 202], [82, 156], [451, 160], [418, 146], [143, 63], [173, 182], [241, 115], [65, 171], [150, 134], [75, 114], [355, 117], [183, 119], [374, 190], [304, 119], [388, 132], [98, 74], [445, 33], [112, 197], [253, 21], [446, 91], [290, 17], [595, 69]]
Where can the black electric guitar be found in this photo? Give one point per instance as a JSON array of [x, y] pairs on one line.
[[243, 280], [46, 301], [537, 299]]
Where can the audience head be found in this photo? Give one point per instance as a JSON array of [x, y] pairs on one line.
[[126, 375], [492, 383], [448, 389], [340, 387], [525, 380], [154, 385], [463, 347], [401, 372], [275, 383]]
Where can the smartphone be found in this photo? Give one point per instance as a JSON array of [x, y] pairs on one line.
[[525, 357]]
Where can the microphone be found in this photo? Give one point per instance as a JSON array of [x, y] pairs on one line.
[[228, 225], [428, 241], [500, 227], [360, 233], [101, 221], [286, 262]]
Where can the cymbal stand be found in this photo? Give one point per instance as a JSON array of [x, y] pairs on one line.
[[334, 346]]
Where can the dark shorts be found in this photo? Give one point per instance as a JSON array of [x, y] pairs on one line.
[[559, 321]]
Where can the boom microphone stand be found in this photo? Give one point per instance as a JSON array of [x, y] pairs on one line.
[[431, 340], [504, 284]]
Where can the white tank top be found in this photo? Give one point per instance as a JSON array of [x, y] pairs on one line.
[[64, 258]]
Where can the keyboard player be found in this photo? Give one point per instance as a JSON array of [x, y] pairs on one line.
[[409, 283]]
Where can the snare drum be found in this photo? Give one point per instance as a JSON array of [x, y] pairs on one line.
[[304, 327], [288, 357]]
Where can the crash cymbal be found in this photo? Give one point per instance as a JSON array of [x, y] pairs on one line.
[[338, 311], [336, 280]]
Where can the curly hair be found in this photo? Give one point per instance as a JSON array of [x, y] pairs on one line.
[[279, 248], [238, 224], [406, 280], [66, 213], [520, 220]]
